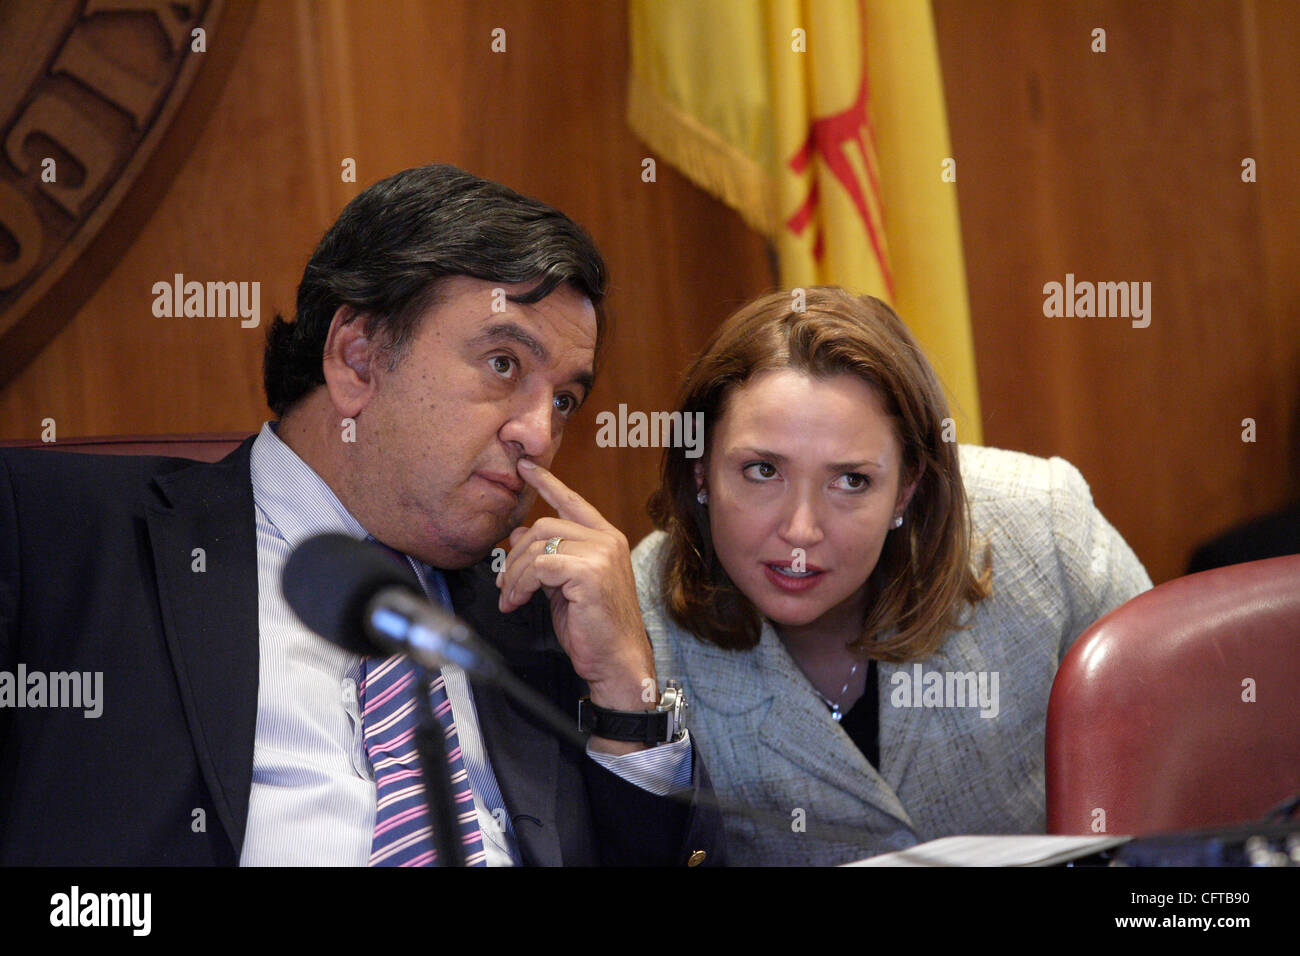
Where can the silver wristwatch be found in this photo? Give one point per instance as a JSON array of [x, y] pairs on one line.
[[665, 724]]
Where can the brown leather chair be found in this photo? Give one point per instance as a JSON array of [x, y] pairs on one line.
[[1149, 719], [211, 446]]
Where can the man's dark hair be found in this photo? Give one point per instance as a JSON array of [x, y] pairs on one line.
[[392, 246]]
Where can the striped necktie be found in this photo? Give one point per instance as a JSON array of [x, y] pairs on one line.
[[403, 828]]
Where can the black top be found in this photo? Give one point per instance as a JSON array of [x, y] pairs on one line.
[[862, 723]]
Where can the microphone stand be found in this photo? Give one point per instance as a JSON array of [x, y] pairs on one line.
[[431, 744]]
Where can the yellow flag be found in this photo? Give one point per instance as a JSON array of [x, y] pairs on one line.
[[822, 122]]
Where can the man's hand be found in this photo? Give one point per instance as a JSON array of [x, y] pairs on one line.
[[592, 592]]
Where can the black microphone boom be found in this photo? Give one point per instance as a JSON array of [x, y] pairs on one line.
[[355, 596], [339, 586]]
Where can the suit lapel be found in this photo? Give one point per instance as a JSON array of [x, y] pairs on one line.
[[524, 755], [210, 618]]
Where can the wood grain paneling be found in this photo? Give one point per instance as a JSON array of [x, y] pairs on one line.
[[1126, 165]]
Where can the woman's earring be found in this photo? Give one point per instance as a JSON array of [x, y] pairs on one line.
[[702, 497], [898, 521]]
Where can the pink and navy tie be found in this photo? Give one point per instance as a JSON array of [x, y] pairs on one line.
[[403, 827]]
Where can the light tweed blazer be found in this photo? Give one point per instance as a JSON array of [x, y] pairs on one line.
[[769, 742]]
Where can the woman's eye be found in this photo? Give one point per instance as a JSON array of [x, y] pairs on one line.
[[854, 481], [502, 364], [760, 470]]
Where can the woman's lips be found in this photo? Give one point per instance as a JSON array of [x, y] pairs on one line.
[[789, 584]]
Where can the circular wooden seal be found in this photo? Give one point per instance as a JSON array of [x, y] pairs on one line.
[[88, 92]]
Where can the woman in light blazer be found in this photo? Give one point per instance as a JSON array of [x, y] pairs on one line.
[[866, 619]]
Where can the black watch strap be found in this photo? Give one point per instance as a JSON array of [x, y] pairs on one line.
[[650, 727]]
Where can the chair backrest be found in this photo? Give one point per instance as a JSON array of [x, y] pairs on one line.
[[209, 446], [1180, 709]]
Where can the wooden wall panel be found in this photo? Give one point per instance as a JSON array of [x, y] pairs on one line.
[[1126, 165]]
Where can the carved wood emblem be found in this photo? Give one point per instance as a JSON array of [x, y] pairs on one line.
[[88, 88]]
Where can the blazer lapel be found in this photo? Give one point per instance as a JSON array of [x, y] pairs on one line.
[[765, 692], [921, 738], [799, 729], [524, 755], [209, 610]]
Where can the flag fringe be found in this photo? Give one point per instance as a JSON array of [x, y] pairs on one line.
[[702, 156]]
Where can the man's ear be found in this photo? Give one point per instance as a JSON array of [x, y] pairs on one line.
[[350, 359]]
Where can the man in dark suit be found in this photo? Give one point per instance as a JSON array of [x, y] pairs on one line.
[[446, 331]]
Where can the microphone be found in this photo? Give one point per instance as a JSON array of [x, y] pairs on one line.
[[361, 600]]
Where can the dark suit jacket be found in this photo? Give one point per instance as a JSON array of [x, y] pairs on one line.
[[1271, 536], [97, 557]]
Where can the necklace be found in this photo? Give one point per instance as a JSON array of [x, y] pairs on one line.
[[837, 714]]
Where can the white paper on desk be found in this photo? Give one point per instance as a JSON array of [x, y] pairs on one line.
[[1031, 850]]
